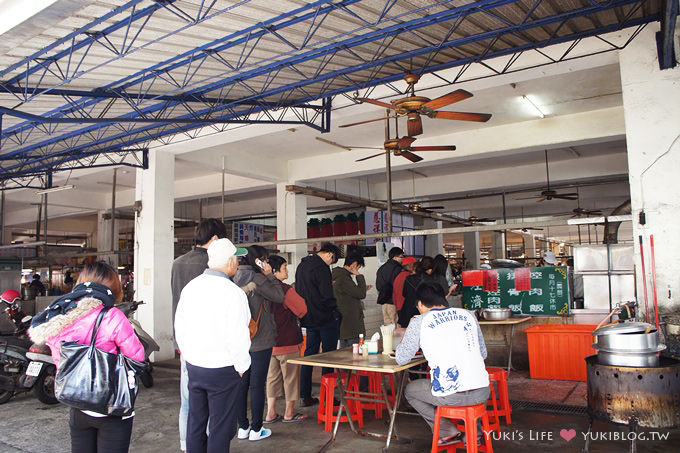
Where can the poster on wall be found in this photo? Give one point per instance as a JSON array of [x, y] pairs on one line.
[[247, 232], [376, 222]]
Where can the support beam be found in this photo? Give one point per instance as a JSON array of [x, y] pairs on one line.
[[154, 250], [650, 99], [247, 164], [374, 204], [665, 39], [594, 126], [291, 222]]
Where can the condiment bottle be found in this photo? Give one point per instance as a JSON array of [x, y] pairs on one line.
[[361, 343]]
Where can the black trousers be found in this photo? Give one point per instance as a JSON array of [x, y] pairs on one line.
[[212, 394], [254, 380], [325, 336], [99, 434]]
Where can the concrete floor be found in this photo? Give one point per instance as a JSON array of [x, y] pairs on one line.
[[30, 426]]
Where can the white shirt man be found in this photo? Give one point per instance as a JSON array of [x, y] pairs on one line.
[[452, 343], [211, 330]]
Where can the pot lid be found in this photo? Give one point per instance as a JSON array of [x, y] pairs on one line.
[[624, 327]]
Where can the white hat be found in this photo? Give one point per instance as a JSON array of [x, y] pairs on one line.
[[549, 257], [221, 250]]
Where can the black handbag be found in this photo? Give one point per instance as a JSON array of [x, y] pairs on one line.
[[94, 380]]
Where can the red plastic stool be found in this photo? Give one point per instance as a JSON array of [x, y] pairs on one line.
[[327, 412], [469, 416], [493, 408], [500, 377], [375, 381]]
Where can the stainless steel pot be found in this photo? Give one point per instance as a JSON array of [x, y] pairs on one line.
[[631, 344], [496, 314]]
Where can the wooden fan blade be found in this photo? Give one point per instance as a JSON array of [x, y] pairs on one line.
[[433, 148], [566, 196], [541, 200], [374, 102], [363, 122], [447, 99], [405, 142], [434, 207], [410, 156], [370, 157], [463, 116], [415, 127], [529, 198]]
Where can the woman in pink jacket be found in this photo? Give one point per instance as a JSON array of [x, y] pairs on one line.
[[72, 318]]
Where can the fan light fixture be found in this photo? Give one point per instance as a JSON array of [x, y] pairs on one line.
[[534, 106], [55, 189]]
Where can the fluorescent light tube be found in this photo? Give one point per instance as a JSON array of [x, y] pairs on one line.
[[534, 106], [56, 189]]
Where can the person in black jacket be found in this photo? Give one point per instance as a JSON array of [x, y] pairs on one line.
[[384, 281], [314, 283]]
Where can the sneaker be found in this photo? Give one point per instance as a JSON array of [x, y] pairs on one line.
[[243, 433], [263, 433], [309, 401]]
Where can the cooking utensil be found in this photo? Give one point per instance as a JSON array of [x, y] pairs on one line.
[[496, 314], [632, 344]]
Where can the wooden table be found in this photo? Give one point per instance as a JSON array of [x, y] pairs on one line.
[[512, 322], [344, 360]]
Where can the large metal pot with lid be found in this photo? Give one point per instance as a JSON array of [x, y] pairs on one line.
[[632, 344]]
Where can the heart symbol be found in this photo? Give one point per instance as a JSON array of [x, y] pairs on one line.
[[568, 434]]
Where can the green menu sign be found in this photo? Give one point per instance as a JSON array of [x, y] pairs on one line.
[[531, 291]]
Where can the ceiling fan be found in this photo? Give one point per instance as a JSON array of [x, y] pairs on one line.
[[578, 212], [549, 194], [414, 106], [475, 219], [402, 147], [418, 207]]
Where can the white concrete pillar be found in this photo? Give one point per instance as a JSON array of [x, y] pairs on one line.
[[434, 243], [471, 249], [529, 245], [154, 250], [104, 239], [650, 99], [497, 244], [291, 223]]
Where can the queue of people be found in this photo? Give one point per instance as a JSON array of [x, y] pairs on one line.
[[237, 323]]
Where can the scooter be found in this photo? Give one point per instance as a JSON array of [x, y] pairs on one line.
[[19, 370], [150, 345]]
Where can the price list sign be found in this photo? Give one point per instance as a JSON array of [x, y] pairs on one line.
[[531, 291]]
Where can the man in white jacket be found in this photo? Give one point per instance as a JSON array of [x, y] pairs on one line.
[[211, 330]]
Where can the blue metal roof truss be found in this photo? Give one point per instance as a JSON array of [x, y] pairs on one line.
[[294, 86]]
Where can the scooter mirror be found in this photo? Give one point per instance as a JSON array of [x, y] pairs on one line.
[[26, 319]]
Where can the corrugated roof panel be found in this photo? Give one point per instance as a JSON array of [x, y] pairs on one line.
[[360, 43]]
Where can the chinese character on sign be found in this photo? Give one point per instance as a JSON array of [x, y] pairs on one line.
[[536, 291], [537, 275], [551, 276], [515, 308], [536, 308], [513, 292], [494, 300]]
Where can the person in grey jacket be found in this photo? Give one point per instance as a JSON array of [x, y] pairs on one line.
[[255, 269], [184, 269]]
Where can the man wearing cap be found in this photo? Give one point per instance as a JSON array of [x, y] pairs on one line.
[[549, 259], [184, 269], [408, 265], [211, 329]]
